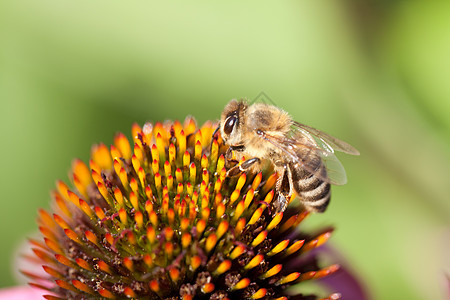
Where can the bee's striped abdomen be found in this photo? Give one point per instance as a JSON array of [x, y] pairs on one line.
[[314, 192]]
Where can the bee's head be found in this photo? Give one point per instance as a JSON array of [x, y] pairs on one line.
[[231, 121]]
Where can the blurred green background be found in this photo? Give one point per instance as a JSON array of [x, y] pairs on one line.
[[371, 72]]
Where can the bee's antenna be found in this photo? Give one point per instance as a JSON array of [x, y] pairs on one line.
[[214, 135]]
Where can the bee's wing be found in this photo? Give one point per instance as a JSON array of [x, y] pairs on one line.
[[325, 141], [302, 148], [335, 170]]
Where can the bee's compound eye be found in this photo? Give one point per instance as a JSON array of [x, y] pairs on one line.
[[229, 124]]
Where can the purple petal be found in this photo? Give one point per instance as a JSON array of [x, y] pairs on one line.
[[344, 282], [447, 277]]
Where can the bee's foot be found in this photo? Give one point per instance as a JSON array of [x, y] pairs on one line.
[[234, 171], [281, 203]]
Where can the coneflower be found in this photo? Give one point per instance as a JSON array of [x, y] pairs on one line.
[[160, 219]]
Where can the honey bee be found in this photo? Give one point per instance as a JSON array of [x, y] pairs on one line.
[[302, 156]]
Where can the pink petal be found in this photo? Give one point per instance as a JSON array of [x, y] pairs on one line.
[[21, 293]]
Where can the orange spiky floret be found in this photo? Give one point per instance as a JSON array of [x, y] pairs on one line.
[[161, 220]]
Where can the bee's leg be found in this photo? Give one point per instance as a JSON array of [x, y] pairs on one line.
[[283, 186], [229, 154], [242, 167], [229, 158]]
